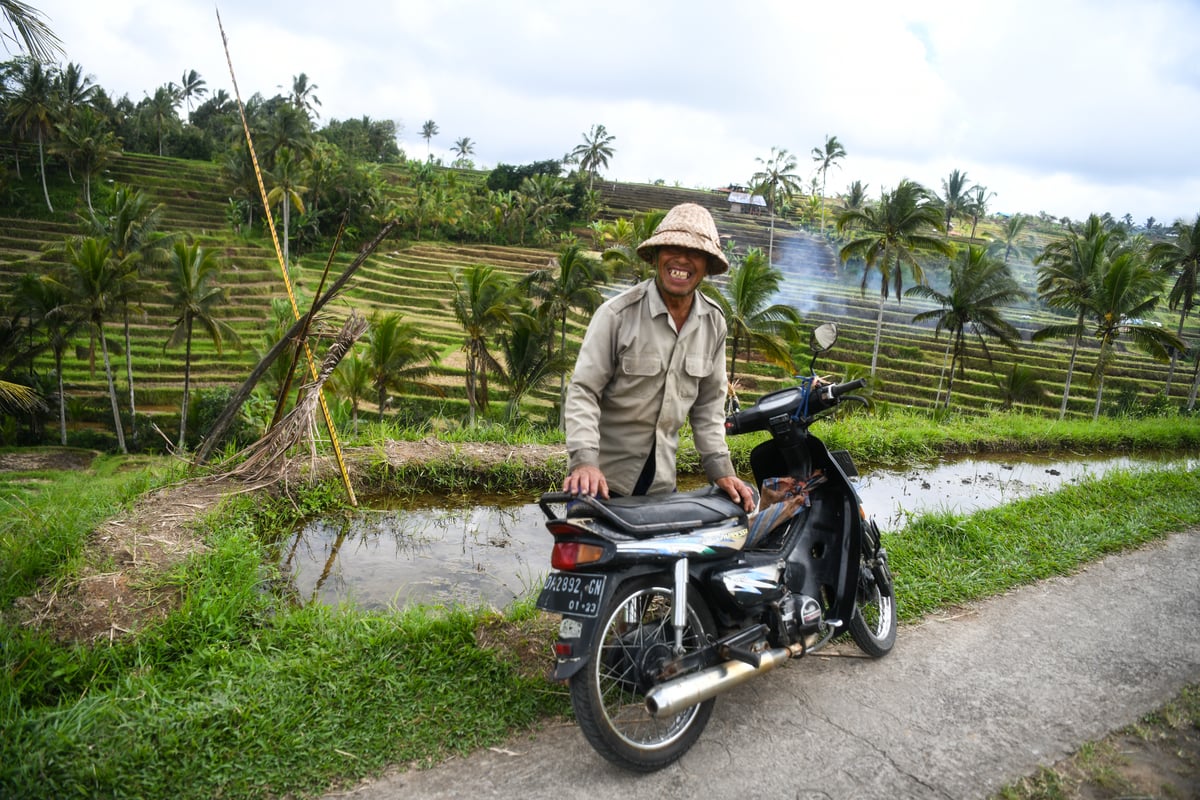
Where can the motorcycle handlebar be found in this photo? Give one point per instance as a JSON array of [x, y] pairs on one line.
[[786, 401], [839, 389]]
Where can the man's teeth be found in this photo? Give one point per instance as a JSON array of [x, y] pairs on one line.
[[680, 274]]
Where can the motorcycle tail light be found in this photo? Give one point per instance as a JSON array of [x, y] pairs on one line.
[[563, 649], [571, 555]]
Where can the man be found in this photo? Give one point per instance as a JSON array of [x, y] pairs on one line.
[[653, 357]]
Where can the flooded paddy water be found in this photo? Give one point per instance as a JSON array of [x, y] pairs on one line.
[[493, 551]]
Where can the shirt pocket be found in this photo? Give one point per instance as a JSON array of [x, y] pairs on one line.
[[642, 374], [695, 369]]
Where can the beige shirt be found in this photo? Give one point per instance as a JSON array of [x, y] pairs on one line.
[[637, 380]]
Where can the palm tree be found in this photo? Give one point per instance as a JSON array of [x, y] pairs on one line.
[[825, 159], [1126, 292], [979, 285], [777, 182], [428, 131], [31, 112], [191, 85], [856, 196], [49, 306], [621, 258], [483, 302], [976, 205], [26, 28], [954, 196], [888, 237], [463, 148], [528, 362], [303, 96], [568, 282], [396, 358], [595, 152], [86, 142], [161, 108], [93, 276], [1020, 385], [753, 324], [195, 300], [1180, 258], [352, 381], [1011, 233], [1068, 271], [287, 190]]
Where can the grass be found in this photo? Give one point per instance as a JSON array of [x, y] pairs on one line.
[[239, 695]]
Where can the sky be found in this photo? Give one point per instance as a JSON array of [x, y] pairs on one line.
[[1068, 107]]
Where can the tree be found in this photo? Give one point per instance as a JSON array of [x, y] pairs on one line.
[[31, 113], [954, 197], [621, 257], [86, 142], [92, 279], [1011, 235], [569, 281], [1180, 258], [888, 237], [1068, 272], [48, 304], [976, 205], [191, 86], [979, 286], [303, 96], [595, 152], [1126, 291], [777, 182], [825, 159], [528, 362], [396, 358], [352, 381], [482, 304], [195, 300], [287, 190], [753, 324], [463, 148], [161, 109], [428, 131], [26, 29]]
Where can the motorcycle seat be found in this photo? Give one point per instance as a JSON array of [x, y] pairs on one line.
[[653, 515]]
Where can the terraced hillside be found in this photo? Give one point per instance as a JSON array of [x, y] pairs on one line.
[[414, 278]]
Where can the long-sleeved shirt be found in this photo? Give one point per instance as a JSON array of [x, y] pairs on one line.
[[637, 380]]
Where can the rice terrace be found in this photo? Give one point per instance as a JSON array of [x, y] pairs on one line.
[[166, 408]]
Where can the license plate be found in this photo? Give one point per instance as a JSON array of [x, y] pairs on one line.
[[572, 593]]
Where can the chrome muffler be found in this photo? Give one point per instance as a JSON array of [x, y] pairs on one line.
[[674, 696]]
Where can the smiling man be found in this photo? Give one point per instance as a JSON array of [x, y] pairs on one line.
[[653, 357]]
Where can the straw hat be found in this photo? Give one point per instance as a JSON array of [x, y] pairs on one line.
[[687, 225]]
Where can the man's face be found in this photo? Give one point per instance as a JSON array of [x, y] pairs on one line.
[[680, 270]]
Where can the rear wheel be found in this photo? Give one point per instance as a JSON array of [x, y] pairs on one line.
[[608, 695], [873, 626]]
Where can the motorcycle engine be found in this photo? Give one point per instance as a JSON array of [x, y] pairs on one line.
[[800, 614]]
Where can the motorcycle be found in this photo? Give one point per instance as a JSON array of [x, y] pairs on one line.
[[669, 601]]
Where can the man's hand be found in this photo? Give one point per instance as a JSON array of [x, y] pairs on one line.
[[587, 480], [738, 491]]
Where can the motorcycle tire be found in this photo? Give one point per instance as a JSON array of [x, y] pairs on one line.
[[873, 625], [636, 636]]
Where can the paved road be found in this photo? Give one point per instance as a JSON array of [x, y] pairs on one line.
[[964, 704]]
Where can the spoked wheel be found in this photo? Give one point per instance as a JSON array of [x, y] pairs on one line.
[[608, 695], [873, 625]]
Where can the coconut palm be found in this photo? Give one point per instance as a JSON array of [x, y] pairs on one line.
[[462, 149], [26, 29], [1020, 385], [191, 86], [396, 358], [1180, 258], [287, 191], [87, 143], [303, 96], [428, 131], [888, 237], [954, 197], [755, 324], [826, 158], [352, 382], [621, 257], [161, 109], [979, 286], [527, 362], [777, 182], [1011, 235], [195, 300], [1068, 271], [976, 205], [48, 304], [569, 282], [595, 152], [31, 112], [92, 278], [483, 302], [1126, 292]]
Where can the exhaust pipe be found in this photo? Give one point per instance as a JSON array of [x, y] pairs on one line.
[[674, 696]]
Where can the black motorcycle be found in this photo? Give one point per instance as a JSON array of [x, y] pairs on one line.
[[668, 601]]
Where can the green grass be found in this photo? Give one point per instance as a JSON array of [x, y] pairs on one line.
[[237, 694]]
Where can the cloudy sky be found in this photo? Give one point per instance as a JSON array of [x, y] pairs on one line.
[[1063, 106]]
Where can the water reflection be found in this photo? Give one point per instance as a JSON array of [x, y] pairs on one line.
[[490, 554]]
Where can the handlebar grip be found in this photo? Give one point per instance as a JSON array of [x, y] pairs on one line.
[[839, 389]]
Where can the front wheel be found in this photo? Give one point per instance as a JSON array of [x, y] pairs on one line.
[[636, 638], [873, 626]]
